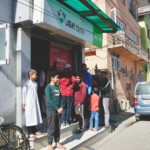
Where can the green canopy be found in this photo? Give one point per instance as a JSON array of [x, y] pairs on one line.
[[89, 11]]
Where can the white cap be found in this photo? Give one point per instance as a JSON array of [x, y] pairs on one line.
[[67, 66]]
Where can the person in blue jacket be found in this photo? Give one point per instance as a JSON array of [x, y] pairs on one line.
[[87, 78]]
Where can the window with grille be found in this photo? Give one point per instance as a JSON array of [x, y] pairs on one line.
[[115, 62], [134, 38], [133, 9]]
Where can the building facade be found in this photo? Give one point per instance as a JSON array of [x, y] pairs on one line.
[[122, 54], [43, 35], [144, 22]]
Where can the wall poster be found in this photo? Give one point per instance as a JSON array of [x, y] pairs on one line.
[[59, 57]]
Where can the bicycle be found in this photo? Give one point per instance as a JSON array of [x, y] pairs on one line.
[[12, 137]]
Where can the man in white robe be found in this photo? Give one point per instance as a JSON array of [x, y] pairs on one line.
[[31, 104]]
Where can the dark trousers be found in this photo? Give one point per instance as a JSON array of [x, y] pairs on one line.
[[67, 106], [53, 126], [31, 130]]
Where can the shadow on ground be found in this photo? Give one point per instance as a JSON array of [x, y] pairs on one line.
[[117, 119]]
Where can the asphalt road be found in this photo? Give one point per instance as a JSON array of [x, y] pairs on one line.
[[134, 137]]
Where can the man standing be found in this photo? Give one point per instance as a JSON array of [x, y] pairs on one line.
[[87, 78], [54, 110], [31, 104], [79, 98], [67, 82], [105, 94]]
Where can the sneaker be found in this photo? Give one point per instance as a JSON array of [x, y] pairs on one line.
[[79, 131], [94, 129], [32, 137], [67, 124], [91, 129], [107, 126], [63, 124]]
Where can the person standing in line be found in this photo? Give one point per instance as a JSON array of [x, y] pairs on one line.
[[94, 109], [79, 98], [54, 111], [67, 81], [105, 89], [87, 78], [31, 104]]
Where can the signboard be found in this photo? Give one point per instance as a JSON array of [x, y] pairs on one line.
[[58, 16]]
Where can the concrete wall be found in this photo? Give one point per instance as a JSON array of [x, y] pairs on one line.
[[23, 10], [6, 11], [8, 72], [121, 81], [125, 16], [144, 21]]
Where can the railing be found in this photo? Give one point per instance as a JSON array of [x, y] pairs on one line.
[[130, 45]]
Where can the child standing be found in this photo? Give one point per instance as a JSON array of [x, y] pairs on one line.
[[54, 109], [94, 108]]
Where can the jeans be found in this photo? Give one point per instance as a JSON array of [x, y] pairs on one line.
[[67, 106], [106, 110], [94, 116]]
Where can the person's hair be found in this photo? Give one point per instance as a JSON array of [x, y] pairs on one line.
[[31, 72], [83, 64], [53, 74], [95, 90], [79, 74]]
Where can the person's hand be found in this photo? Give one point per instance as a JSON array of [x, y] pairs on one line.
[[24, 107], [60, 110], [71, 86]]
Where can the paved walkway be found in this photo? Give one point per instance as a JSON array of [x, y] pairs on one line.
[[119, 123]]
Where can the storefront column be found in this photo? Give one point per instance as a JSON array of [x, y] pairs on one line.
[[83, 54], [23, 64]]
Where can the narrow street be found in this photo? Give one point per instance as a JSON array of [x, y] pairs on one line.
[[134, 137]]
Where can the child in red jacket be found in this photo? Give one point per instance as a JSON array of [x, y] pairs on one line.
[[79, 98], [94, 108]]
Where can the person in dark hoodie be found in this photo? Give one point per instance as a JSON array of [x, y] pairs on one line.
[[87, 78], [105, 90]]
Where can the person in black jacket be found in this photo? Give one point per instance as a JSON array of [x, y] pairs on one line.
[[105, 95]]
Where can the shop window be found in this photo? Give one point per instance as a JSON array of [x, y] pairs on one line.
[[116, 62], [4, 43]]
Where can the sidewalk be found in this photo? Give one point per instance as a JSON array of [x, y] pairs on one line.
[[89, 139], [119, 122], [123, 119]]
